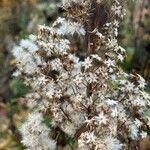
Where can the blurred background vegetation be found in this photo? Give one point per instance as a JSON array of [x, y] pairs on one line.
[[19, 18]]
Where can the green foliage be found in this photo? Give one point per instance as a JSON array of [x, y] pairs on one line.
[[126, 64], [47, 121], [18, 88], [1, 57], [23, 22], [64, 140]]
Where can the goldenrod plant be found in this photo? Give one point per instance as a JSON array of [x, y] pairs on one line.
[[92, 100]]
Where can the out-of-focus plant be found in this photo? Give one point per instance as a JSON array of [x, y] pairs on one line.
[[134, 35], [141, 45], [14, 18], [127, 34]]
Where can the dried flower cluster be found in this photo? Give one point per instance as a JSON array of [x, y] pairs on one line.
[[91, 100], [40, 133]]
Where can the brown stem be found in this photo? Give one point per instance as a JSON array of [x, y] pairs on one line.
[[66, 115], [97, 18], [82, 129]]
